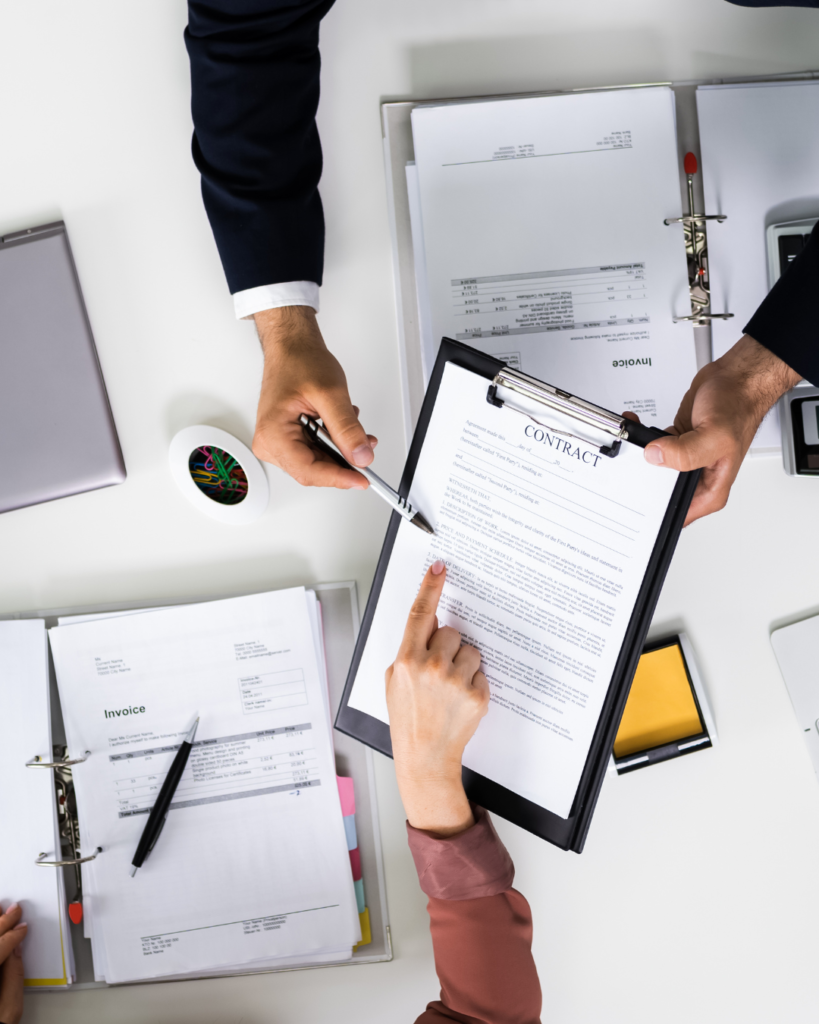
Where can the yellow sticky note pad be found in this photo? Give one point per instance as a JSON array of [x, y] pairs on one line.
[[661, 707], [366, 933]]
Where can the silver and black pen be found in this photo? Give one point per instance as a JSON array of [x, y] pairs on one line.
[[159, 811], [318, 436]]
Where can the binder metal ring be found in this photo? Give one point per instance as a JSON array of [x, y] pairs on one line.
[[66, 762], [696, 218], [702, 318], [65, 863]]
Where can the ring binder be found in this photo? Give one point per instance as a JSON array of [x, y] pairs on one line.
[[340, 615], [562, 402], [696, 249]]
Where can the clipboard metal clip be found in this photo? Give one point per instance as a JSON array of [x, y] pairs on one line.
[[562, 402]]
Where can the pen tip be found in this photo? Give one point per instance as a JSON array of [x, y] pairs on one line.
[[133, 870], [419, 521]]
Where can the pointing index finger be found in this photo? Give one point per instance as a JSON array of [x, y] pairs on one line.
[[423, 621]]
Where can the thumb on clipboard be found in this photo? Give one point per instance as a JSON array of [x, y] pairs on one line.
[[718, 418]]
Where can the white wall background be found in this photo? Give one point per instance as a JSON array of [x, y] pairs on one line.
[[695, 896]]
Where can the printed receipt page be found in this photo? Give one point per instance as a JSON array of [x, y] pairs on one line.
[[252, 862], [545, 243], [546, 544]]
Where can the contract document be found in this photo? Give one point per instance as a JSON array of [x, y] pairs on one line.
[[252, 864], [547, 543], [541, 227]]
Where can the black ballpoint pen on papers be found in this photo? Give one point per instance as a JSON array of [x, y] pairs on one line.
[[317, 434], [159, 812]]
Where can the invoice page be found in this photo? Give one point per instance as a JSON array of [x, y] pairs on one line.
[[252, 862], [546, 543], [544, 242]]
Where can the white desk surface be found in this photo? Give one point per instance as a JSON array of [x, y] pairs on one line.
[[695, 894]]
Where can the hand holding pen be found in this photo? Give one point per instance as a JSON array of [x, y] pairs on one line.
[[302, 376], [319, 436]]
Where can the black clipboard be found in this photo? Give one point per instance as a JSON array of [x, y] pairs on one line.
[[565, 833]]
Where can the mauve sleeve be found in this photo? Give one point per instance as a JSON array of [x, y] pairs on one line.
[[481, 928]]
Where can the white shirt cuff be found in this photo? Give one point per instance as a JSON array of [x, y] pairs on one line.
[[273, 296]]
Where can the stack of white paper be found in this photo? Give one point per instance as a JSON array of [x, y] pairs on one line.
[[760, 150], [538, 235], [251, 869], [28, 810]]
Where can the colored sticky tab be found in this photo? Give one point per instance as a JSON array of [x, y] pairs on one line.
[[366, 933], [355, 863], [359, 895], [346, 792], [349, 829]]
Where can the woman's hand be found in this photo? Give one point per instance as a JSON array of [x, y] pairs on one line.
[[12, 933], [436, 696]]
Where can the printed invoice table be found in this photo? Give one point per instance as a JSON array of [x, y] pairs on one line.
[[98, 133], [556, 308]]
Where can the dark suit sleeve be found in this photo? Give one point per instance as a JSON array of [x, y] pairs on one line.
[[787, 322], [775, 3], [255, 88]]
